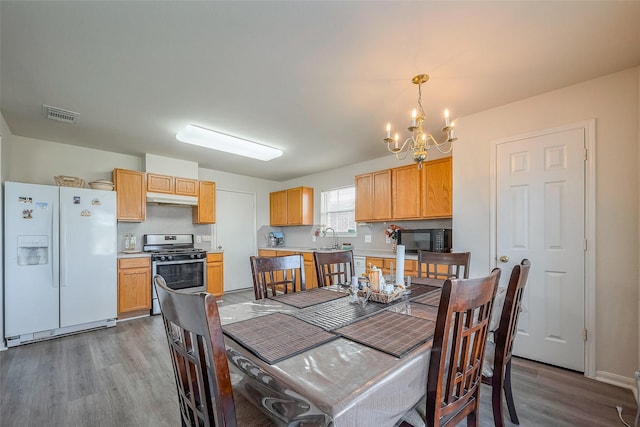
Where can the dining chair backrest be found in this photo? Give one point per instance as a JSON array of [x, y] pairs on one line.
[[497, 371], [284, 273], [198, 354], [443, 265], [460, 337], [507, 330], [334, 268]]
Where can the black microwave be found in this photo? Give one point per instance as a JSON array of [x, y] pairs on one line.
[[426, 239]]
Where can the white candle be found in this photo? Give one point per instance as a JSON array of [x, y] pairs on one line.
[[396, 141], [388, 130], [400, 265], [414, 114], [446, 117]]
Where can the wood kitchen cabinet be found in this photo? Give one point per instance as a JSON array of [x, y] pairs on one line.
[[310, 275], [278, 208], [410, 265], [172, 185], [437, 188], [215, 274], [186, 187], [160, 183], [309, 267], [205, 212], [131, 189], [406, 191], [134, 287], [373, 196], [291, 207]]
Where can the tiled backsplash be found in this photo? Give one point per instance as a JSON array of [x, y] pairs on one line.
[[302, 236], [165, 220]]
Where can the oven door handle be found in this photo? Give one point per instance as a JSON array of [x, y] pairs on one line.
[[185, 261]]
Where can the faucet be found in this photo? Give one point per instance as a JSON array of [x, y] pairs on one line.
[[335, 239]]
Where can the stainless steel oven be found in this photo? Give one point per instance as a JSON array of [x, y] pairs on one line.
[[183, 267]]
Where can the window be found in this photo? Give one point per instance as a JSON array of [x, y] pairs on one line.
[[338, 210]]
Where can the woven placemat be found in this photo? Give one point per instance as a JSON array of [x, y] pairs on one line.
[[392, 333], [431, 298], [308, 298], [340, 312], [277, 336]]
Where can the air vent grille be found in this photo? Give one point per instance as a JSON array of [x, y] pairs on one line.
[[59, 114]]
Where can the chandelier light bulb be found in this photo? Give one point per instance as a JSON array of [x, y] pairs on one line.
[[414, 114], [388, 130], [446, 117]]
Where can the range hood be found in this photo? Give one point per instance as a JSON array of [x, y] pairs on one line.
[[171, 199]]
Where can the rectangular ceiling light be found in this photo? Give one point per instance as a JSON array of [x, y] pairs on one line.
[[196, 135]]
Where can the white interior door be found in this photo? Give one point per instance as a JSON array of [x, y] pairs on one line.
[[236, 235], [540, 215]]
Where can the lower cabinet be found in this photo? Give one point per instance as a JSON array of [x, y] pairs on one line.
[[215, 274], [309, 267], [134, 287], [410, 265], [310, 276]]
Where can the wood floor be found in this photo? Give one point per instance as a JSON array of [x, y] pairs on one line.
[[122, 376]]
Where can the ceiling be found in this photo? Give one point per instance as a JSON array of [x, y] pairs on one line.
[[318, 80]]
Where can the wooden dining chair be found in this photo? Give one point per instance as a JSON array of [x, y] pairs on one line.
[[198, 355], [333, 268], [283, 273], [444, 265], [496, 370], [455, 364]]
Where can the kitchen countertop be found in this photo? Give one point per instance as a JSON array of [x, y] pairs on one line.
[[139, 254], [356, 252]]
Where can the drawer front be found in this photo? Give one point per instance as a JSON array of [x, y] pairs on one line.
[[214, 257], [139, 262]]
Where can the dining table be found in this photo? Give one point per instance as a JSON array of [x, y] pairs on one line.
[[318, 358]]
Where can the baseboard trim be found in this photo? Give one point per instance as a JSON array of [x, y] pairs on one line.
[[618, 380]]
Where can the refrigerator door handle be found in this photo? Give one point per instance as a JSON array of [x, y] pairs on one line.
[[52, 244]]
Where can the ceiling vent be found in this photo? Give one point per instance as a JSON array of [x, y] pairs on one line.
[[58, 114]]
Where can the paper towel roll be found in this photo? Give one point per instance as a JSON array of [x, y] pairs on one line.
[[400, 265]]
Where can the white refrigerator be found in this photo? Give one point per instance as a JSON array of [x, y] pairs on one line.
[[60, 261]]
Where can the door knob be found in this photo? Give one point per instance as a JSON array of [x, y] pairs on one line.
[[504, 258]]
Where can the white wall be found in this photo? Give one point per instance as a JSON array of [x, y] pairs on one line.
[[37, 162], [613, 101]]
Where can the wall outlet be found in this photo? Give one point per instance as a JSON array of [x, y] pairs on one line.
[[198, 239], [387, 239], [206, 238], [313, 239], [367, 238]]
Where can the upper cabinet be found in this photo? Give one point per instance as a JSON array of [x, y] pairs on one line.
[[131, 188], [405, 193], [437, 189], [160, 183], [291, 207], [187, 187], [205, 212], [373, 196], [171, 185]]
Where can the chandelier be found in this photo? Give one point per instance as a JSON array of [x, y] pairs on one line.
[[420, 141]]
